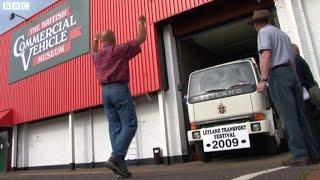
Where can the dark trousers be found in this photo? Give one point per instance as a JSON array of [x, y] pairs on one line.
[[313, 114], [286, 94]]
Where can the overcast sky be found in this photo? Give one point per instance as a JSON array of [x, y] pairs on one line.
[[27, 9]]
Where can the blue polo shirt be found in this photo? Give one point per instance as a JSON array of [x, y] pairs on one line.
[[272, 38]]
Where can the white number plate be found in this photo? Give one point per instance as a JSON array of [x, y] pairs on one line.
[[225, 137]]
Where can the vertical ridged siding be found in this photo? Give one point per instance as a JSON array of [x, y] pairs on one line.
[[72, 85]]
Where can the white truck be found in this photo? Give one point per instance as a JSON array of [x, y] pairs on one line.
[[226, 112]]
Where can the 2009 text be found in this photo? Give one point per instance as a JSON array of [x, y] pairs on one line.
[[225, 143]]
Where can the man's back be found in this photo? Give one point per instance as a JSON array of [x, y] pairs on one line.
[[278, 42], [111, 62]]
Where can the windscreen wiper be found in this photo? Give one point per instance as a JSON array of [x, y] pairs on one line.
[[240, 85], [214, 90]]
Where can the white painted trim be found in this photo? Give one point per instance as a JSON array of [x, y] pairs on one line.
[[292, 19], [137, 145], [312, 46], [71, 137], [14, 146], [294, 24], [24, 146], [163, 124], [176, 124], [92, 136], [253, 175]]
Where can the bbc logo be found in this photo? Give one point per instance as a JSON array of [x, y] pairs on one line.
[[15, 6]]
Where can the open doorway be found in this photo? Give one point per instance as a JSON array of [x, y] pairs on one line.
[[206, 36], [218, 45]]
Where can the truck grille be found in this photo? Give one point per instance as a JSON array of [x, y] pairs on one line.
[[225, 121]]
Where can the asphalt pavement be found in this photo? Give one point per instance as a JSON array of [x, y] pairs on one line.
[[250, 167]]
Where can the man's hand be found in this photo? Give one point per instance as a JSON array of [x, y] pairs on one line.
[[142, 35], [97, 37], [261, 86], [95, 43], [142, 19]]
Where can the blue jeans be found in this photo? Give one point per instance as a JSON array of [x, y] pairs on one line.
[[120, 110], [286, 94]]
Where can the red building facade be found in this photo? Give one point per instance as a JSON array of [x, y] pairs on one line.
[[72, 85]]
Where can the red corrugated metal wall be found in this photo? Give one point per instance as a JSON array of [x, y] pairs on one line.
[[72, 85]]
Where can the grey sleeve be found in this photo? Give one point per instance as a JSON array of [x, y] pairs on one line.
[[264, 41]]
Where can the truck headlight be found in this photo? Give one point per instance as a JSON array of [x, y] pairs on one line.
[[255, 127], [196, 135]]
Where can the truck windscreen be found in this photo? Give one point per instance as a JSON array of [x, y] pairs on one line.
[[222, 81]]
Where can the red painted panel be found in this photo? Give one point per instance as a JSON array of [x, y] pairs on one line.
[[72, 85], [6, 118]]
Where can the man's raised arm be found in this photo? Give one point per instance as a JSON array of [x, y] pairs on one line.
[[142, 35]]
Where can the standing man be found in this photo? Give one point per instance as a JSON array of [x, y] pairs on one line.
[[277, 68], [307, 81], [303, 71], [112, 70]]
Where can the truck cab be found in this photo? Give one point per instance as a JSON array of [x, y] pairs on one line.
[[226, 111]]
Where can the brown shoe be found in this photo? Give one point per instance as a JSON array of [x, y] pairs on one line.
[[118, 167], [296, 162]]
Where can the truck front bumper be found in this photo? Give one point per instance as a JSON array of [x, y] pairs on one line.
[[254, 127]]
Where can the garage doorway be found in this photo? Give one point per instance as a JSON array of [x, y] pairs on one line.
[[217, 45], [215, 33], [213, 46]]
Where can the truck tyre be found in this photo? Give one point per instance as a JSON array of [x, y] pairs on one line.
[[204, 157], [271, 145]]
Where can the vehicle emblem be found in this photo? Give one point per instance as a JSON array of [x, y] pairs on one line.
[[221, 109]]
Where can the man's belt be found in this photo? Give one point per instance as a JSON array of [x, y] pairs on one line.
[[281, 65]]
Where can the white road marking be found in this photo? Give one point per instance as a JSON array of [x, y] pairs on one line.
[[253, 175]]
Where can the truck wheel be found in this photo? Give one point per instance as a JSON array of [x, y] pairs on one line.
[[204, 157], [271, 145]]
